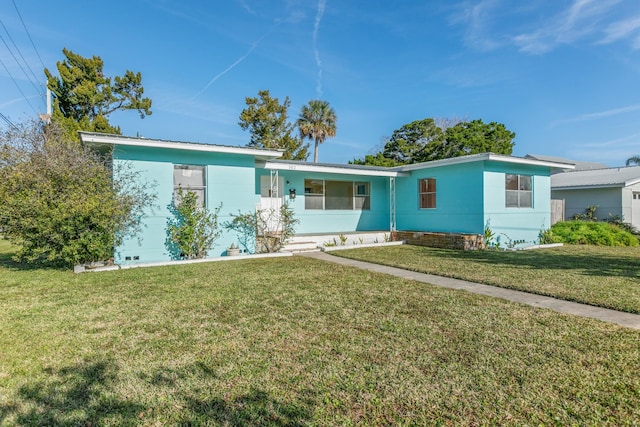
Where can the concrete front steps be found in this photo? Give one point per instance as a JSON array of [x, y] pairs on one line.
[[315, 242]]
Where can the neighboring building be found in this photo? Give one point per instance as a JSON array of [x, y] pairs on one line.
[[615, 191], [459, 195], [578, 164]]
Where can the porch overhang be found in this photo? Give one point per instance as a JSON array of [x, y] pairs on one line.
[[329, 168]]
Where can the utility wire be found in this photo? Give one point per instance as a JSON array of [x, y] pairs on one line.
[[9, 122], [21, 68], [19, 53], [28, 34], [18, 86]]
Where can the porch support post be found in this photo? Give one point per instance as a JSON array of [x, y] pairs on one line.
[[274, 184], [392, 203]]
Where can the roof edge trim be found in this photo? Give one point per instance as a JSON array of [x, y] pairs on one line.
[[98, 138], [310, 167], [484, 157]]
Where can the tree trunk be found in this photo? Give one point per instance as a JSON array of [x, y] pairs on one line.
[[315, 152]]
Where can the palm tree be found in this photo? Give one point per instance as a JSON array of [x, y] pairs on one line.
[[633, 160], [317, 122]]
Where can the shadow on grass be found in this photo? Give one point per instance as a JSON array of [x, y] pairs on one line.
[[201, 404], [75, 395], [7, 262], [88, 394], [254, 408], [593, 264]]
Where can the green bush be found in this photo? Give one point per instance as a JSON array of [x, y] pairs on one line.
[[589, 233], [62, 203], [194, 229], [264, 230]]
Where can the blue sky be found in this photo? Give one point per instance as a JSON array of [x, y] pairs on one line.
[[564, 75]]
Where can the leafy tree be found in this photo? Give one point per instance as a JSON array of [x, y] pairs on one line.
[[425, 140], [62, 203], [633, 160], [475, 137], [413, 142], [377, 159], [266, 120], [317, 121], [84, 98], [194, 228]]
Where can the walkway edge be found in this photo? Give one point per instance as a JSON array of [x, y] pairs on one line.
[[628, 320]]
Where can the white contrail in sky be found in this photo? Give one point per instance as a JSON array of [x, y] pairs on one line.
[[239, 60], [598, 115], [316, 29]]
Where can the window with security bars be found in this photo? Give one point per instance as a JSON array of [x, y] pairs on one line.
[[518, 191]]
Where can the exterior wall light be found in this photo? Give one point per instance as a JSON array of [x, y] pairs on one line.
[[292, 193]]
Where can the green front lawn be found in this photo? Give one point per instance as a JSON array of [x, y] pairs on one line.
[[294, 341], [598, 275]]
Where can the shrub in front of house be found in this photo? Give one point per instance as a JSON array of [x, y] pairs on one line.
[[578, 232]]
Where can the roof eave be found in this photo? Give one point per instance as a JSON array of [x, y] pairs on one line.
[[484, 157], [632, 182], [113, 140], [585, 186], [309, 167]]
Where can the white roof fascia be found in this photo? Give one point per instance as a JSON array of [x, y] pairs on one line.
[[173, 145], [484, 157], [631, 182], [330, 169], [586, 186]]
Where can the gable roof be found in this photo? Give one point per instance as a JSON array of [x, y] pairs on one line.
[[101, 139], [579, 165], [609, 177]]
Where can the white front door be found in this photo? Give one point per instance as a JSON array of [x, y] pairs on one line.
[[270, 204], [635, 210], [267, 191]]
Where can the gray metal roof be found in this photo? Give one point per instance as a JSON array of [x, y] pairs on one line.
[[579, 165], [609, 177]]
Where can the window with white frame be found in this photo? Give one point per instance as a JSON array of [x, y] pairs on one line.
[[361, 198], [336, 195], [427, 193], [518, 191], [189, 178], [313, 194]]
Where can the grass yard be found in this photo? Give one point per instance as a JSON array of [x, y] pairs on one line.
[[598, 275], [294, 341]]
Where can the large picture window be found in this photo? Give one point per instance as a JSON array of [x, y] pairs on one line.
[[189, 178], [336, 195], [427, 193], [518, 191]]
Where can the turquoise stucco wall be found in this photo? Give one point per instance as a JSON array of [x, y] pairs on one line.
[[229, 179], [468, 197], [516, 223], [334, 221], [459, 195], [472, 195]]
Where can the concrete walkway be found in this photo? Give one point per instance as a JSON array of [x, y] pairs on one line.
[[612, 316]]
